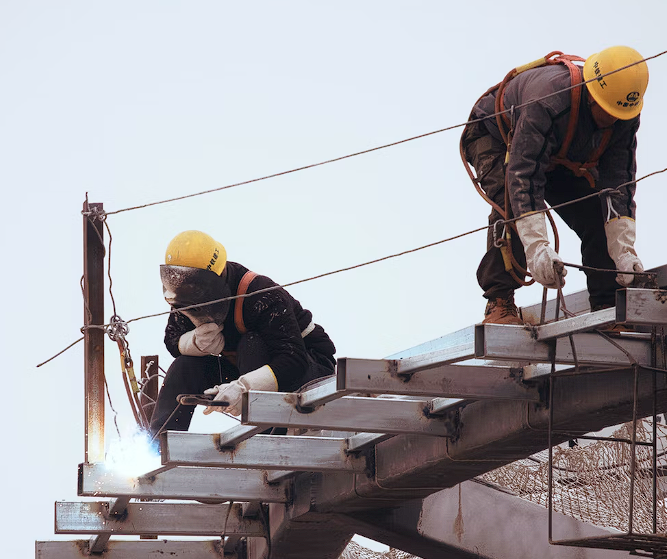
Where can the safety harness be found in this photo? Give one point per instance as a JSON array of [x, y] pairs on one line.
[[244, 284], [506, 123]]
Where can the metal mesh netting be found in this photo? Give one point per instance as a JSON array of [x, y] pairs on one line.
[[591, 482], [356, 551]]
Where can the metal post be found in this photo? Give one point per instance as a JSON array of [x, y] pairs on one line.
[[93, 295]]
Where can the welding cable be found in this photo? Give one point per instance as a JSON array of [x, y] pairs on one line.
[[392, 144], [178, 406], [368, 263], [614, 271]]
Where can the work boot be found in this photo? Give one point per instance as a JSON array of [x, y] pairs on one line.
[[502, 310]]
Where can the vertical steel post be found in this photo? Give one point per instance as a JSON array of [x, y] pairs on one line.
[[93, 314]]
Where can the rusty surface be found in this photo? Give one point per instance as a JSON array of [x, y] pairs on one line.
[[93, 292]]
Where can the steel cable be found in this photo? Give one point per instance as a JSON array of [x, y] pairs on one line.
[[392, 144], [363, 264]]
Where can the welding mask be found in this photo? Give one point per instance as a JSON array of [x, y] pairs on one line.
[[184, 286]]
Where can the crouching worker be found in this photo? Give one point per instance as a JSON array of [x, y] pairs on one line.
[[265, 341]]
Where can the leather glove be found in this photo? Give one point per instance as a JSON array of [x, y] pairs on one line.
[[621, 233], [540, 257], [259, 379], [206, 339]]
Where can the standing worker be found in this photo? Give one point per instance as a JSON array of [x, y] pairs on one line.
[[265, 341], [558, 142]]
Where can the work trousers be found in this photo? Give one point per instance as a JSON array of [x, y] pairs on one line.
[[487, 155], [193, 375]]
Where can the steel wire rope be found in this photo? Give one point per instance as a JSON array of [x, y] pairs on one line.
[[384, 146], [367, 263]]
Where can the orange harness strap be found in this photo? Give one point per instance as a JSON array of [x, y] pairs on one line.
[[245, 282]]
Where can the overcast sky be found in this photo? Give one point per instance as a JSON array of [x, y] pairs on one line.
[[135, 102]]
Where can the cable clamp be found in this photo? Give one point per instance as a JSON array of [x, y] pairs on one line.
[[117, 329], [95, 213]]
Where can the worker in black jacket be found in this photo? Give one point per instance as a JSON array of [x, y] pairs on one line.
[[559, 143], [264, 340]]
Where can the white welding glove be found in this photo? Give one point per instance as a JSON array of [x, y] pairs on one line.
[[206, 339], [621, 233], [259, 379], [540, 257]]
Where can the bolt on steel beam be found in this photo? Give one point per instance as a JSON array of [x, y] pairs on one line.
[[181, 483], [265, 452], [350, 413], [165, 519]]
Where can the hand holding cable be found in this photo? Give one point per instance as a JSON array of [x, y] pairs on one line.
[[621, 234], [542, 260]]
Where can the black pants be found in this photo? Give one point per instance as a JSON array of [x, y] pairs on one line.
[[193, 375], [487, 155]]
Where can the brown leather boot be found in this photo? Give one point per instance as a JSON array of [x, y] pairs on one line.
[[502, 310]]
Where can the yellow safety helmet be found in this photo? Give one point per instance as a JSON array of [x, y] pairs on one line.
[[621, 94], [196, 250]]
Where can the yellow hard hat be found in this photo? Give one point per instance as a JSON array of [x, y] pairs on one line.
[[621, 94], [196, 250]]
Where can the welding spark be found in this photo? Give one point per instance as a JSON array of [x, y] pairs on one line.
[[133, 455]]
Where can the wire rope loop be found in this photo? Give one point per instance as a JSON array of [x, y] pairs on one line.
[[117, 329], [95, 213]]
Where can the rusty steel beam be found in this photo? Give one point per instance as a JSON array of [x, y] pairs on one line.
[[93, 314]]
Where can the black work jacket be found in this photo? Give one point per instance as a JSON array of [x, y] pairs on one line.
[[540, 130], [277, 317]]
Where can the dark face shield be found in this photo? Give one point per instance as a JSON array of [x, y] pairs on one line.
[[183, 286]]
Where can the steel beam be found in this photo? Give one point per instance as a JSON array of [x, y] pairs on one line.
[[93, 342], [238, 433], [642, 306], [132, 549], [362, 441], [277, 475], [323, 393], [382, 376], [153, 519], [351, 413], [475, 521], [116, 508], [267, 452], [181, 483], [582, 323], [515, 343], [451, 348]]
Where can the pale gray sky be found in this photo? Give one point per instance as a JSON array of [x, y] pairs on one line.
[[135, 102]]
